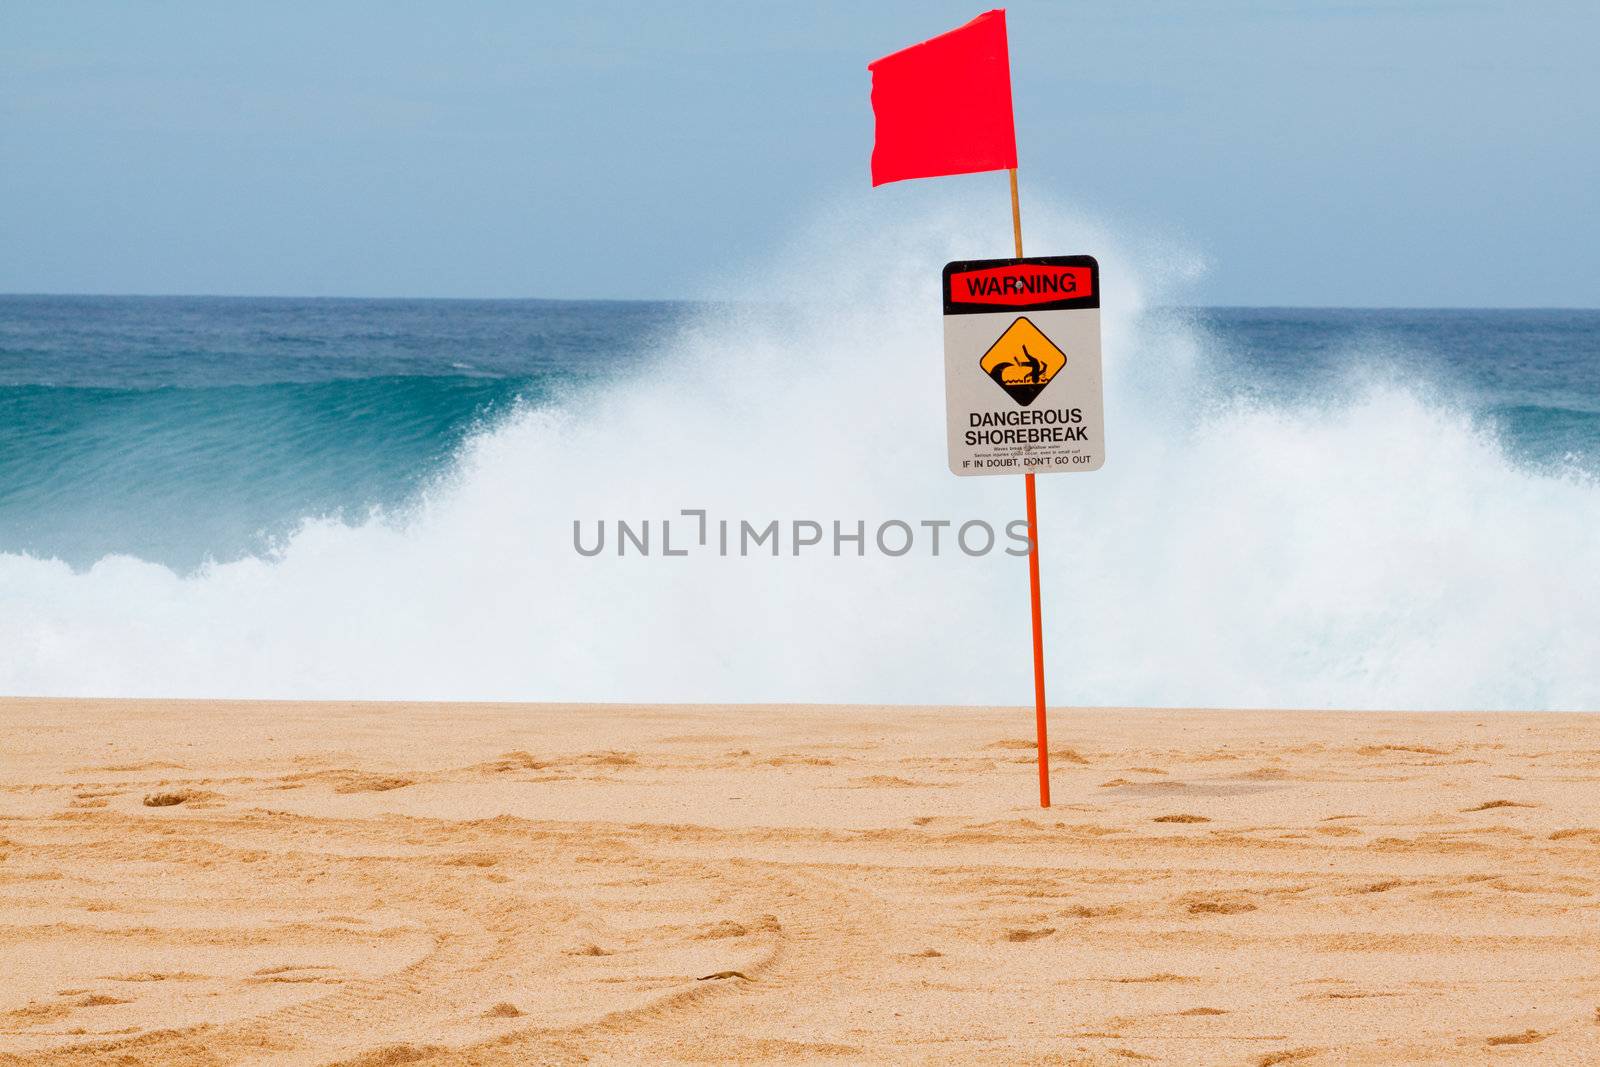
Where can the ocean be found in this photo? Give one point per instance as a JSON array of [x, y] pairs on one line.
[[183, 429], [376, 498]]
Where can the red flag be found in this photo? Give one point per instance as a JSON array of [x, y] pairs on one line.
[[944, 106]]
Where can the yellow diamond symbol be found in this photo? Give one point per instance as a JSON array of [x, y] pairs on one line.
[[1023, 361]]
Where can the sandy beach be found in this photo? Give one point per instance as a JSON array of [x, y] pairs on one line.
[[187, 883]]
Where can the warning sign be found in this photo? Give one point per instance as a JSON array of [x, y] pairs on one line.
[[1021, 373], [1022, 365]]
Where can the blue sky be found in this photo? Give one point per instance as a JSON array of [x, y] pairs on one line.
[[1408, 154]]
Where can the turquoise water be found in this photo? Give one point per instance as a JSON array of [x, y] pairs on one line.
[[182, 429]]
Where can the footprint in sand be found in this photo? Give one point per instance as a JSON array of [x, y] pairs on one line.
[[473, 859], [728, 928], [590, 950], [1288, 1055], [1380, 887], [124, 768], [507, 762], [1586, 833], [177, 796], [889, 781], [1265, 774], [1214, 904], [371, 783], [1489, 805], [349, 781], [608, 758], [1527, 1037], [297, 974], [390, 1056]]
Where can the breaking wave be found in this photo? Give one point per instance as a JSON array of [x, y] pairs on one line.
[[1372, 546]]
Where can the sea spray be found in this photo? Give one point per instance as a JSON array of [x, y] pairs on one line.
[[1370, 547]]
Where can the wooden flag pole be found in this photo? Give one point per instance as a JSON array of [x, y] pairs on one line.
[[1016, 212], [1033, 571]]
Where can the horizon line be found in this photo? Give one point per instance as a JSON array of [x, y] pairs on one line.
[[711, 300]]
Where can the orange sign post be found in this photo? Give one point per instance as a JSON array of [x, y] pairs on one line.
[[1040, 719]]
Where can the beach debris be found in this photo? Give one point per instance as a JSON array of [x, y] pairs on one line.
[[724, 974], [503, 1010], [1180, 818]]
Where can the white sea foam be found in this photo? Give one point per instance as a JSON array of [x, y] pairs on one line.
[[1372, 549]]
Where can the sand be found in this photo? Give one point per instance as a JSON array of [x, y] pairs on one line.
[[187, 883]]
